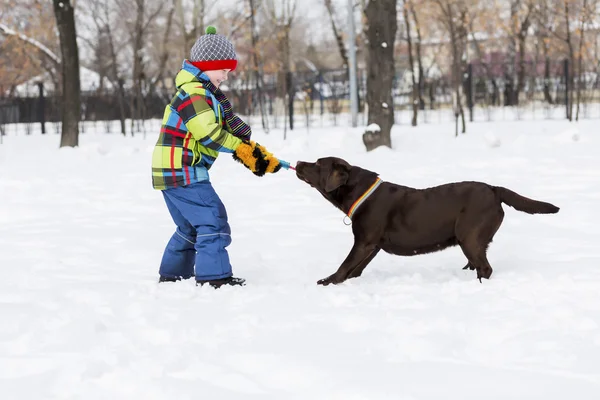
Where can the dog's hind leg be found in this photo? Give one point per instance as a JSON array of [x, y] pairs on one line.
[[360, 255], [474, 239], [356, 272], [475, 253]]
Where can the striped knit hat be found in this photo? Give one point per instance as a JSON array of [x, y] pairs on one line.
[[213, 51]]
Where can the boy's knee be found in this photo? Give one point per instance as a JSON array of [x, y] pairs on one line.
[[184, 237]]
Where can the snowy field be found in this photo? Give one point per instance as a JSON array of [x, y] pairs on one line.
[[83, 317]]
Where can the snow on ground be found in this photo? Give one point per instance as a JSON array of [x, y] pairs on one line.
[[82, 233]]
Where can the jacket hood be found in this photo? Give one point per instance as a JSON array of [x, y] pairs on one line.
[[189, 73]]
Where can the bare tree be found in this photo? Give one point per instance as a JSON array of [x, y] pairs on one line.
[[545, 24], [565, 35], [71, 104], [520, 21], [281, 14], [419, 54], [238, 21], [142, 13], [411, 63], [454, 18], [381, 26], [164, 55], [105, 17], [194, 19], [258, 65], [339, 37], [586, 17], [142, 22], [474, 25]]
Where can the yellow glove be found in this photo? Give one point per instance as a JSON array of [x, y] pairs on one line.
[[273, 163], [256, 158]]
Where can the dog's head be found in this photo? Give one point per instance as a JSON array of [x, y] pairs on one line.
[[337, 180], [326, 174]]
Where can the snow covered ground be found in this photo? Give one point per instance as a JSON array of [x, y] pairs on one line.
[[83, 317]]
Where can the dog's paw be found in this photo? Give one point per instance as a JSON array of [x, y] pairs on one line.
[[329, 280], [469, 266]]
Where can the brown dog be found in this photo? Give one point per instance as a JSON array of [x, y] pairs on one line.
[[406, 221]]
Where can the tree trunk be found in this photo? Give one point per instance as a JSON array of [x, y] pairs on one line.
[[119, 82], [456, 68], [257, 67], [288, 78], [338, 35], [517, 49], [488, 72], [115, 79], [571, 63], [411, 63], [164, 57], [521, 67], [138, 34], [580, 58], [419, 56], [381, 33], [339, 38], [197, 17], [71, 92], [199, 9], [547, 94]]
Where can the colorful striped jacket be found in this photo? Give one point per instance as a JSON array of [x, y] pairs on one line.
[[192, 134]]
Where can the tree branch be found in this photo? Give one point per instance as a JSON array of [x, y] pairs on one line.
[[10, 32], [241, 24], [151, 17]]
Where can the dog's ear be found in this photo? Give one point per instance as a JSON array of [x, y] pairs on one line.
[[336, 178]]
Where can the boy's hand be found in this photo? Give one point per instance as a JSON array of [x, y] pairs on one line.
[[274, 163], [256, 158]]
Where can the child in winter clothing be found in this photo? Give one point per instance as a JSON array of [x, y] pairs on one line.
[[198, 124]]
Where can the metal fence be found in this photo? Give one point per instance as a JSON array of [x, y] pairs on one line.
[[492, 91]]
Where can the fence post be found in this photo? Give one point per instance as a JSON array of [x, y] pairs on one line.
[[2, 110], [321, 92], [470, 102], [42, 107], [290, 91], [567, 88], [1, 123]]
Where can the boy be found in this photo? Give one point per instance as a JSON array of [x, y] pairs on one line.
[[198, 124]]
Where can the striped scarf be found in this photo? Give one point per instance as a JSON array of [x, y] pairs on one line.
[[238, 127]]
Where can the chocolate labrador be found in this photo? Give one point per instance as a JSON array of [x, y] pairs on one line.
[[405, 221]]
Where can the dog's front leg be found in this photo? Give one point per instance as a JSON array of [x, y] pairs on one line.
[[356, 272], [360, 255]]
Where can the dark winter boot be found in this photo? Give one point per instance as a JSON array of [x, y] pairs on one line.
[[217, 283], [168, 279]]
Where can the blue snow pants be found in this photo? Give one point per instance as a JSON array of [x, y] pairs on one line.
[[202, 234]]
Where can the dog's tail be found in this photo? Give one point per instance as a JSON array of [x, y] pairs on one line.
[[523, 203]]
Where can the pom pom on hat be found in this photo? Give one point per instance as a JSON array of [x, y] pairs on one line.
[[213, 51]]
